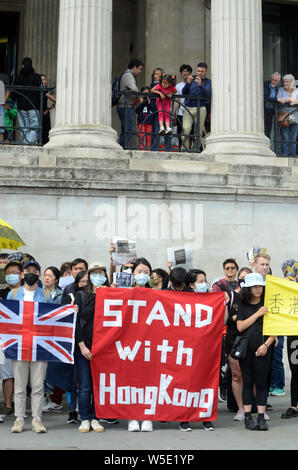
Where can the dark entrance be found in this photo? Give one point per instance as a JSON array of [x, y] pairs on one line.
[[280, 39], [9, 43]]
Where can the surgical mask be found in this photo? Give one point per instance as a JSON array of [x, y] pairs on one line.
[[201, 287], [97, 279], [12, 279], [142, 279], [31, 278], [153, 282]]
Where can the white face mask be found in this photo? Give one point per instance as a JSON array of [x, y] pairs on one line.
[[142, 279], [201, 287], [97, 279]]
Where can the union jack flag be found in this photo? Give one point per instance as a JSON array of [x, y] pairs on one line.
[[33, 331]]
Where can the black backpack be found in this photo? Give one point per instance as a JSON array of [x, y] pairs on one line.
[[116, 89]]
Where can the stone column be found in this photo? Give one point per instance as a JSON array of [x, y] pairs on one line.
[[237, 121], [83, 110]]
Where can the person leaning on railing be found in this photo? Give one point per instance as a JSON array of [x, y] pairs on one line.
[[287, 97]]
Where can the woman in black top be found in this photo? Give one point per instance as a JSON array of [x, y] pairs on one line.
[[255, 365], [85, 300]]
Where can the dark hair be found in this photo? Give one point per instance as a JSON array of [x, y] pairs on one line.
[[55, 271], [171, 79], [65, 267], [202, 65], [78, 278], [192, 276], [27, 62], [14, 263], [178, 277], [3, 255], [164, 275], [185, 67], [230, 260], [89, 286], [145, 88], [77, 261], [134, 63], [141, 261], [245, 294]]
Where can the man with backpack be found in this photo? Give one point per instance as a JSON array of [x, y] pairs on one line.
[[125, 105]]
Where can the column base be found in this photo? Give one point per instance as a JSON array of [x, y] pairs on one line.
[[238, 144], [83, 137]]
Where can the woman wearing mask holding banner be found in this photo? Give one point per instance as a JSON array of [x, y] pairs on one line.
[[255, 362], [141, 271], [85, 300]]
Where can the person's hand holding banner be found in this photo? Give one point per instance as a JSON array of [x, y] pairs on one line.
[[156, 354]]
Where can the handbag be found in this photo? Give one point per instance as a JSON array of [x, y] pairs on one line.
[[239, 348], [282, 120]]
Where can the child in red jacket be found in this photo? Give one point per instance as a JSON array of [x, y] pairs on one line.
[[165, 89]]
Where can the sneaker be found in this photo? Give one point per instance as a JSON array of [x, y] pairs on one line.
[[96, 426], [9, 411], [52, 407], [208, 426], [146, 426], [133, 426], [72, 417], [239, 416], [250, 423], [261, 424], [266, 417], [37, 425], [169, 130], [289, 413], [222, 394], [18, 425], [85, 426], [162, 130], [184, 426], [1, 419], [277, 392], [109, 420]]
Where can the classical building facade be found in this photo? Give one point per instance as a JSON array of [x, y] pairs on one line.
[[70, 197]]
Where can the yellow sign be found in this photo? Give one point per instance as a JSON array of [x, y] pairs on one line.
[[281, 299]]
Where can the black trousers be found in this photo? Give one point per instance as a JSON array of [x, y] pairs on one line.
[[292, 348], [254, 372]]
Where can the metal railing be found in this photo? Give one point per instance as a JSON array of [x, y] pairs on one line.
[[284, 130], [26, 125], [142, 132]]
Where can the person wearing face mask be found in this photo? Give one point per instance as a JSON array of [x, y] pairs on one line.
[[141, 271], [159, 279], [85, 300], [37, 369], [12, 271], [231, 334]]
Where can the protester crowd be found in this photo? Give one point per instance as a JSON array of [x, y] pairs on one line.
[[253, 378]]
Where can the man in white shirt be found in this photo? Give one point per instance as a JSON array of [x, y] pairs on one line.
[[185, 71]]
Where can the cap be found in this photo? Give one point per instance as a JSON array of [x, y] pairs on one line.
[[96, 265], [253, 279], [32, 262]]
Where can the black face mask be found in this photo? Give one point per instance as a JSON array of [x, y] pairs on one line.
[[241, 282], [31, 278]]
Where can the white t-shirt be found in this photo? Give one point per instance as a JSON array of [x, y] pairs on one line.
[[28, 295], [179, 88]]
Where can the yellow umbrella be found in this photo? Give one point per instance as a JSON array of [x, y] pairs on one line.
[[9, 239]]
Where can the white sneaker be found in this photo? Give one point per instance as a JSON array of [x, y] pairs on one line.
[[162, 130], [96, 426], [133, 426], [266, 417], [52, 407], [147, 426], [239, 416], [169, 130], [85, 426]]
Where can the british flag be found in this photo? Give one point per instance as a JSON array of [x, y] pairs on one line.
[[33, 331]]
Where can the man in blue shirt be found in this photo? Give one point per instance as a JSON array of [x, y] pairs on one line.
[[270, 98], [199, 87]]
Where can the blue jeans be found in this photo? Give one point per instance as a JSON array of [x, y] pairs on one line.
[[289, 136], [278, 372], [126, 130], [28, 121], [84, 377]]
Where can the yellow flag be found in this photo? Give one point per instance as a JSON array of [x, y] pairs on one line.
[[281, 299]]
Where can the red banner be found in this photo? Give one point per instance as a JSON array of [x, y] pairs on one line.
[[156, 354]]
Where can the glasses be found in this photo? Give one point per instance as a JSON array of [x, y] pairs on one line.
[[230, 268]]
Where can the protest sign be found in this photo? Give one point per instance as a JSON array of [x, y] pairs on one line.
[[180, 257], [156, 354], [125, 251], [281, 299]]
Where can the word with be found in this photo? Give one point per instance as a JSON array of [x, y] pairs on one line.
[[202, 315], [164, 348], [153, 396]]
